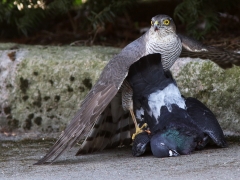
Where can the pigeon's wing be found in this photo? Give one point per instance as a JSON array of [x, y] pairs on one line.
[[98, 98], [194, 49], [113, 128], [205, 120]]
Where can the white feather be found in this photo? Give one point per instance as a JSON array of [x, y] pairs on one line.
[[139, 113], [166, 97]]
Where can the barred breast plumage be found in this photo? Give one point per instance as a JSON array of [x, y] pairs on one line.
[[169, 47]]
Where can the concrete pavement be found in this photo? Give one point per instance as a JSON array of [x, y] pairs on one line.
[[17, 158]]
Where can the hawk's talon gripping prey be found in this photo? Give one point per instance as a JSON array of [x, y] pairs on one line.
[[139, 130]]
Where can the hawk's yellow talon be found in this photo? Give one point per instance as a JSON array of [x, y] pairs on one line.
[[139, 130]]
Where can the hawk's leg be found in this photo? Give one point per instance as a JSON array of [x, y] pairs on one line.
[[127, 104]]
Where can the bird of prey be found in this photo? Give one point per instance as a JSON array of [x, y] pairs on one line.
[[101, 114], [177, 125]]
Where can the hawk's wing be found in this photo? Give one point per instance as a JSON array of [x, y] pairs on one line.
[[194, 49], [98, 98], [114, 127], [83, 121]]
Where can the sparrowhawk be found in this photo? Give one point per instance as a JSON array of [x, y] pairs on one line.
[[101, 119]]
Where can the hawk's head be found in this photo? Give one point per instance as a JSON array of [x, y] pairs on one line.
[[163, 23]]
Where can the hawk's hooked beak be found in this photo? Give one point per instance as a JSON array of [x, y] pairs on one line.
[[156, 25]]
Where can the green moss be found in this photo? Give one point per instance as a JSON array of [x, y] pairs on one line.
[[51, 82], [35, 73], [37, 100], [72, 78], [25, 97], [23, 84], [82, 89], [28, 122], [38, 121], [46, 98], [87, 82], [69, 89], [7, 110], [9, 86], [30, 116], [12, 123], [57, 98]]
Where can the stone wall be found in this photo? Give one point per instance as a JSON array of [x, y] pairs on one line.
[[42, 86]]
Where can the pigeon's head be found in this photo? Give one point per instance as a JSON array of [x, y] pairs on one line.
[[163, 23], [161, 147], [140, 144]]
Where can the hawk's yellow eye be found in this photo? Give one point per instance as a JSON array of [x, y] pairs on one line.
[[166, 22], [151, 23]]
